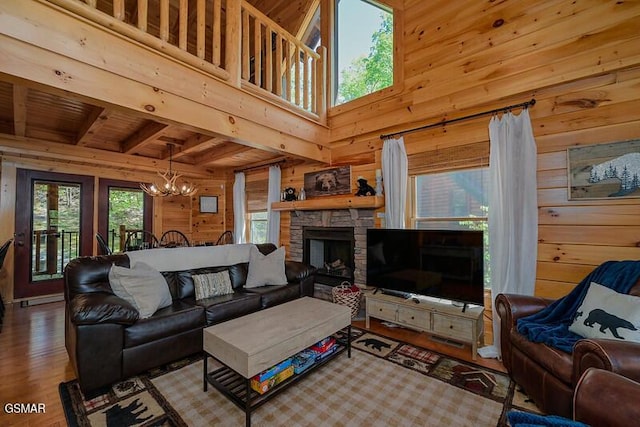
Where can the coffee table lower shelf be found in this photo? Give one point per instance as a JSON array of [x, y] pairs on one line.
[[236, 388]]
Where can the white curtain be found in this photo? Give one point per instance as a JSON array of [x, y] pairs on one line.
[[513, 210], [395, 170], [273, 195], [239, 209]]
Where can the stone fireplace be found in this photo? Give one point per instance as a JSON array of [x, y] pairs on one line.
[[330, 250], [328, 236]]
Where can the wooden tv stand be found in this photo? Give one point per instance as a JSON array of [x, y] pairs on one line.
[[433, 316]]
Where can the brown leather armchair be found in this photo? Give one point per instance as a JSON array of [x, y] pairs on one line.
[[603, 398], [548, 375]]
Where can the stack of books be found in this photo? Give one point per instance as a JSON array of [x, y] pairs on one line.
[[266, 380], [314, 354]]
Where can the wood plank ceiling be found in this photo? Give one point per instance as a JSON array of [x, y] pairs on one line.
[[35, 113]]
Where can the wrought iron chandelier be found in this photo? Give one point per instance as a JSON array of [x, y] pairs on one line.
[[169, 185]]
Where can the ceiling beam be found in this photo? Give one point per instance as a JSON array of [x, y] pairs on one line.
[[197, 142], [143, 137], [221, 152], [20, 110], [92, 124], [70, 153]]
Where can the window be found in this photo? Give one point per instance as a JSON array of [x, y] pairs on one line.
[[126, 208], [258, 227], [456, 200], [364, 51]]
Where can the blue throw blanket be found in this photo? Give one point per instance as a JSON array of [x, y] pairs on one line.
[[525, 419], [551, 324]]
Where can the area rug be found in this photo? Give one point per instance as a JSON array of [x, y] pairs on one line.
[[385, 383]]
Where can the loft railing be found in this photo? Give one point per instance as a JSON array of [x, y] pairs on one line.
[[228, 39]]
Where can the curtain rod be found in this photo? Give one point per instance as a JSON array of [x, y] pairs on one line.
[[459, 119], [266, 165]]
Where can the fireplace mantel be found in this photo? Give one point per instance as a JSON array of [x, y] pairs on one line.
[[329, 203]]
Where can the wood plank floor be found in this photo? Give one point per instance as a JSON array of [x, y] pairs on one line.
[[33, 360]]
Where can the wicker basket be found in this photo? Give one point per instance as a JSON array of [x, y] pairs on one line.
[[343, 294]]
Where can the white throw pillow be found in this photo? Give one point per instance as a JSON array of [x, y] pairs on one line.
[[142, 286], [212, 284], [266, 269], [605, 313]]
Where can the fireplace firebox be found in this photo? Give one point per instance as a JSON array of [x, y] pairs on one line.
[[331, 251]]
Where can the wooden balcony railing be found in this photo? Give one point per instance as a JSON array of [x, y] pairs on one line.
[[228, 39]]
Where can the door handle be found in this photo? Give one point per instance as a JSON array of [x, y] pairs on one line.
[[18, 239]]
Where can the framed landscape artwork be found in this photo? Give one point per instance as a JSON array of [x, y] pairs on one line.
[[604, 171], [328, 182]]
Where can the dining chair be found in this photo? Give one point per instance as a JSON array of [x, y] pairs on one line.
[[140, 239], [173, 239], [103, 247], [225, 238]]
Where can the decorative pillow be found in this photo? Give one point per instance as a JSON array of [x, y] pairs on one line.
[[605, 313], [142, 286], [266, 269], [212, 284]]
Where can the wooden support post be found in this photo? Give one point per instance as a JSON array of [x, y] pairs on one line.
[[183, 24], [200, 33], [143, 10], [164, 20], [321, 87], [233, 44], [217, 36]]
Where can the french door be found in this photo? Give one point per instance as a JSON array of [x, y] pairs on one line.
[[53, 225], [122, 206]]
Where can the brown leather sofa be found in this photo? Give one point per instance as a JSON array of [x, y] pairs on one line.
[[603, 398], [548, 375], [107, 342]]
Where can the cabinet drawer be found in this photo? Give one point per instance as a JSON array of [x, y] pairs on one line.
[[453, 327], [418, 318], [381, 310]]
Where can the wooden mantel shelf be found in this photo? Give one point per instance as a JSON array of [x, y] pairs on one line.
[[329, 203]]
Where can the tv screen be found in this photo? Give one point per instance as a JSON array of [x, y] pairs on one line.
[[438, 263]]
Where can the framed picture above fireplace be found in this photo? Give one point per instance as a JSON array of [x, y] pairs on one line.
[[328, 182]]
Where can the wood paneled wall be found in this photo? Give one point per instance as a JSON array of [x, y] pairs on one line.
[[581, 62], [179, 213]]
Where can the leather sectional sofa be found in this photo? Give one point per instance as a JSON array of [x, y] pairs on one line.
[[107, 341]]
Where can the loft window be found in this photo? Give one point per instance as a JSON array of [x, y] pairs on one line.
[[364, 49]]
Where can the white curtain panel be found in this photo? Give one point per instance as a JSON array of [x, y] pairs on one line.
[[395, 170], [513, 209], [239, 209], [273, 195]]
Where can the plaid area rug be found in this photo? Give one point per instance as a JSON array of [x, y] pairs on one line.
[[385, 383]]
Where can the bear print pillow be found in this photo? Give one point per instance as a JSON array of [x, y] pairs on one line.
[[607, 314]]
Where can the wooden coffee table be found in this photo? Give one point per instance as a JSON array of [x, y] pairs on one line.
[[250, 344]]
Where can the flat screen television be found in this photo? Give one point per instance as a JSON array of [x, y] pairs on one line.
[[443, 264]]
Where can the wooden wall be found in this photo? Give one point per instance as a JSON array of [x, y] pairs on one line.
[[579, 60], [176, 212]]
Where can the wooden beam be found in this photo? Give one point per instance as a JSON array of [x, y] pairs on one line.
[[91, 125], [142, 137], [70, 153], [196, 142], [20, 110], [220, 152]]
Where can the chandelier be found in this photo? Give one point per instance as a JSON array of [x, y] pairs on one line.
[[169, 185]]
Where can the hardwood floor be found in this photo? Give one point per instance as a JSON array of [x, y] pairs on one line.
[[33, 360]]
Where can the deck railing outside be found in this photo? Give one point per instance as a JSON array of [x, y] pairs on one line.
[[52, 251], [229, 39]]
